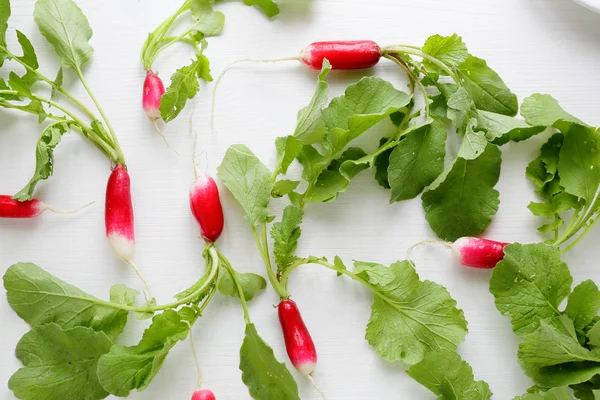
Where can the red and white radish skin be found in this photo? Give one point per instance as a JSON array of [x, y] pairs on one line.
[[203, 394], [119, 214], [478, 253], [206, 207], [343, 55], [10, 208], [298, 342], [153, 92]]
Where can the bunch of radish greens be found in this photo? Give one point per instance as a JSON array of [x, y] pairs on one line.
[[166, 104], [414, 321]]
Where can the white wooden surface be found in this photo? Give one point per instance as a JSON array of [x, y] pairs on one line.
[[536, 45]]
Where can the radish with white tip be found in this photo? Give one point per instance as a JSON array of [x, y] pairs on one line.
[[472, 251]]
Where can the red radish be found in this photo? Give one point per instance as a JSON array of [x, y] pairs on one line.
[[472, 251], [206, 207], [343, 55], [119, 220], [298, 343], [478, 253], [10, 208], [203, 394], [153, 92]]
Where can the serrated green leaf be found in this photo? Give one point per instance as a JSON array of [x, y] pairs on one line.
[[560, 393], [286, 235], [4, 17], [44, 157], [486, 88], [462, 201], [594, 335], [206, 20], [583, 304], [184, 86], [126, 368], [67, 29], [374, 273], [412, 318], [310, 127], [251, 284], [543, 110], [40, 298], [451, 50], [268, 7], [501, 129], [288, 148], [333, 181], [474, 142], [249, 180], [417, 160], [445, 374], [29, 57], [529, 284], [58, 362], [265, 377], [579, 162]]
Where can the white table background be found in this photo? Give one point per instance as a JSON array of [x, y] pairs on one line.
[[535, 45]]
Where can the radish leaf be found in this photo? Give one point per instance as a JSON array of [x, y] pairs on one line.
[[58, 362], [40, 298], [449, 377], [283, 187], [474, 142], [126, 368], [184, 86], [251, 284], [451, 50], [583, 304], [286, 234], [206, 20], [311, 127], [486, 88], [249, 180], [529, 284], [501, 129], [417, 160], [558, 393], [544, 110], [265, 377], [411, 318], [67, 29], [462, 201], [288, 148], [267, 6], [4, 17]]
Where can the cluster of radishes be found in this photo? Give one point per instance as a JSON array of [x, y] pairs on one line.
[[207, 209]]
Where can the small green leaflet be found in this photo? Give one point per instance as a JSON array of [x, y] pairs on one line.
[[267, 6], [583, 304], [333, 181], [311, 127], [544, 110], [4, 17], [501, 129], [251, 284], [579, 162], [126, 368], [594, 335], [559, 393], [288, 148], [44, 157], [411, 318], [382, 163], [360, 107], [286, 235], [58, 82], [462, 201], [444, 373], [206, 20], [486, 88], [474, 142], [265, 377], [529, 284], [249, 180], [67, 29], [417, 160], [59, 362], [29, 57], [374, 273], [200, 282], [184, 86], [451, 50], [283, 187], [40, 298]]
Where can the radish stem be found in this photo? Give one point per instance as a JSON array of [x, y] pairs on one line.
[[237, 283]]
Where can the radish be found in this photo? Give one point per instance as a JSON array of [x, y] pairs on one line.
[[472, 251], [341, 54], [154, 89], [10, 208], [153, 92], [119, 220], [203, 394], [298, 342], [206, 207]]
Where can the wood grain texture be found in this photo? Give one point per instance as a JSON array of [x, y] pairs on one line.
[[535, 45]]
